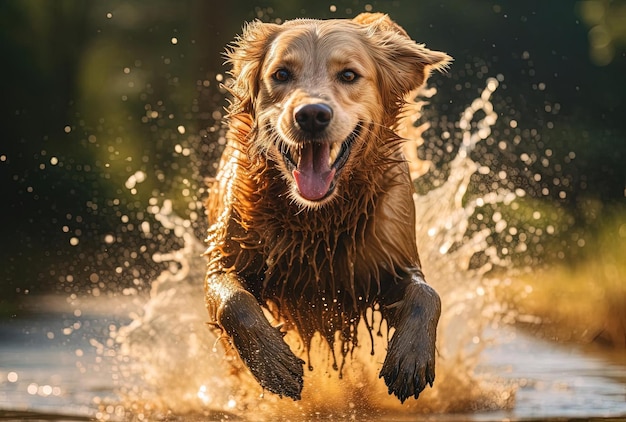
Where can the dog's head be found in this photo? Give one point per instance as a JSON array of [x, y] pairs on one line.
[[320, 92]]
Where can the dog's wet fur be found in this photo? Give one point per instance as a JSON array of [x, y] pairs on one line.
[[312, 213]]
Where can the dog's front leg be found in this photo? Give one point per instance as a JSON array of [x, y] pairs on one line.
[[260, 346], [410, 361]]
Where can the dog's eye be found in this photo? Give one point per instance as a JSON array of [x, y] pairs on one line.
[[348, 76], [282, 75]]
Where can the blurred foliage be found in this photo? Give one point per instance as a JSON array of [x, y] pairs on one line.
[[606, 20], [112, 106], [582, 301]]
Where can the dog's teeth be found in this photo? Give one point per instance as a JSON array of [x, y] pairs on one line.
[[334, 152]]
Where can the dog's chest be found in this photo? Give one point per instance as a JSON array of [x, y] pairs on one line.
[[316, 258], [340, 249]]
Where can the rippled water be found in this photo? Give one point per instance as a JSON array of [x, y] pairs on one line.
[[71, 375], [133, 356]]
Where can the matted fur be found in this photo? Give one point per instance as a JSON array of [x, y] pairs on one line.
[[320, 261]]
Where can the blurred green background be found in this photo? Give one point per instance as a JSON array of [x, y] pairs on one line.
[[110, 107]]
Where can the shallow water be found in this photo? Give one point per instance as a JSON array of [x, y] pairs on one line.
[[54, 363]]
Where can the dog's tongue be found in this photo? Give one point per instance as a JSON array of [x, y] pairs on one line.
[[313, 175]]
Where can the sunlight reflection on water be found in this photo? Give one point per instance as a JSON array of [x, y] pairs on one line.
[[555, 381]]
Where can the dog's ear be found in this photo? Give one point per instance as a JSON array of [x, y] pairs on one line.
[[405, 65], [246, 55], [379, 22]]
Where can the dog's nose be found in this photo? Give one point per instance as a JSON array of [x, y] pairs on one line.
[[313, 118]]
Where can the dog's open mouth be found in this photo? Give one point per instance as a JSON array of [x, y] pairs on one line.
[[314, 165]]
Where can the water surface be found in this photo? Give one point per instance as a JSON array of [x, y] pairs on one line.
[[55, 365]]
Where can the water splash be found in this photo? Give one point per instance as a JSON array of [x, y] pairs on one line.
[[169, 362]]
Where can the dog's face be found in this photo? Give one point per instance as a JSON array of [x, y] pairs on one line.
[[319, 93], [317, 102]]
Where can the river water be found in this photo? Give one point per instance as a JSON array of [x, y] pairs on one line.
[[55, 365], [129, 355]]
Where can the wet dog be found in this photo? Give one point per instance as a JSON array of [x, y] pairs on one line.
[[312, 214]]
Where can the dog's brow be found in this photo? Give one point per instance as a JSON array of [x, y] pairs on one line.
[[342, 60], [352, 60], [284, 62], [289, 58]]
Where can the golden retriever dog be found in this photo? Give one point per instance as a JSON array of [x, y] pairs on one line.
[[312, 214]]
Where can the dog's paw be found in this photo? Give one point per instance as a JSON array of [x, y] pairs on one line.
[[409, 366], [261, 346], [271, 361]]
